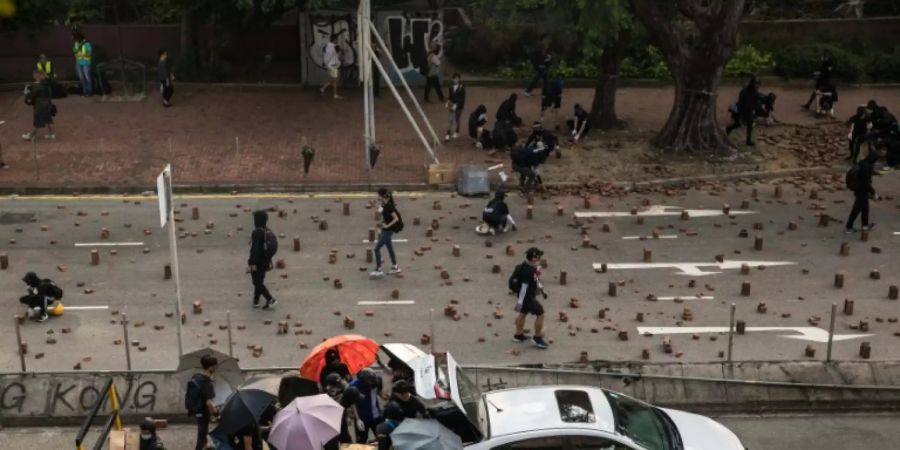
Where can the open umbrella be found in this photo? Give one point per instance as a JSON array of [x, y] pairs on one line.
[[227, 370], [306, 423], [357, 352], [243, 408], [424, 434], [268, 383]]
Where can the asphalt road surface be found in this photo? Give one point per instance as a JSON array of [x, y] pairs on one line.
[[837, 432], [54, 236]]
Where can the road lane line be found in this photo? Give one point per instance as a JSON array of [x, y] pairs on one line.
[[396, 241], [685, 297], [109, 244], [650, 238], [84, 308], [386, 302]]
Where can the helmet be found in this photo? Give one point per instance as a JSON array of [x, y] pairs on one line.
[[333, 379]]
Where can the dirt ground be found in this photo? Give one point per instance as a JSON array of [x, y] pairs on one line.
[[218, 135]]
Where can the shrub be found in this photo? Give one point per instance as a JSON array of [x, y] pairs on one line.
[[748, 60], [885, 67], [800, 61], [646, 63]]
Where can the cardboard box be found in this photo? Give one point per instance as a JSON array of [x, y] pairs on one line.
[[442, 173], [125, 439]]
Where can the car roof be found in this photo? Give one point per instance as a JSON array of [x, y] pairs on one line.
[[524, 409]]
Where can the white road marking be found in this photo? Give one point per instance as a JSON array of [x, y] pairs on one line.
[[813, 334], [693, 269], [109, 244], [897, 233], [84, 308], [650, 238], [396, 241], [386, 302], [685, 298], [659, 211]]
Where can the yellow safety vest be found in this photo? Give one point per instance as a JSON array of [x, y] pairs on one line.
[[80, 53], [46, 67]]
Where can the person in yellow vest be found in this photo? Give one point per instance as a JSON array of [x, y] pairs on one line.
[[83, 53], [45, 66]]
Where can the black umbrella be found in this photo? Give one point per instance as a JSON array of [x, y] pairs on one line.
[[243, 408]]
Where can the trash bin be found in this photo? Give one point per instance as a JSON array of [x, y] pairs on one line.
[[473, 180]]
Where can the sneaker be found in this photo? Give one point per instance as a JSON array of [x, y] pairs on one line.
[[338, 97], [455, 135], [50, 137], [395, 269], [377, 273], [869, 226], [28, 136], [43, 317], [322, 91], [539, 342], [256, 303], [447, 137], [270, 304], [520, 338], [850, 230], [528, 94]]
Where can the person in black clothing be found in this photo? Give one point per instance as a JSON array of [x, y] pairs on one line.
[[402, 396], [540, 61], [551, 98], [579, 126], [859, 126], [393, 416], [524, 161], [477, 121], [247, 438], [496, 215], [166, 78], [828, 96], [204, 384], [747, 104], [503, 136], [391, 223], [456, 102], [527, 276], [40, 294], [860, 183], [823, 77], [539, 133], [347, 396], [507, 112], [259, 262], [149, 439], [333, 365]]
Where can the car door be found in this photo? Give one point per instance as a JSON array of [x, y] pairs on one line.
[[596, 443]]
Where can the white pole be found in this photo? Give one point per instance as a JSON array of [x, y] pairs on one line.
[[173, 253], [409, 91], [405, 110]]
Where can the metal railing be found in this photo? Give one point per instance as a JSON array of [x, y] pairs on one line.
[[114, 420]]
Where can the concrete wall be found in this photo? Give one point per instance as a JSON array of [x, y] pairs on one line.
[[70, 395]]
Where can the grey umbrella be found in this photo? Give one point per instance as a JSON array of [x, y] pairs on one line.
[[227, 369], [424, 434]]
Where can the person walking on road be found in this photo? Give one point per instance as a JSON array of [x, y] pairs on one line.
[[332, 60], [540, 61], [525, 283], [456, 101], [166, 78], [859, 180], [859, 127], [391, 224], [83, 51], [823, 77], [199, 397], [39, 95], [748, 100], [263, 245]]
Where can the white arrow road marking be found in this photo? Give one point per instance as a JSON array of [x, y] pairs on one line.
[[109, 244], [396, 241], [813, 334], [387, 302], [660, 211], [685, 298], [693, 269], [650, 238], [84, 308]]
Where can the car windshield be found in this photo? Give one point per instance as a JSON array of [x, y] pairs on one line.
[[644, 424]]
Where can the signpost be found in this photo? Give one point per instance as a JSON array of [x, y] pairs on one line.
[[164, 192]]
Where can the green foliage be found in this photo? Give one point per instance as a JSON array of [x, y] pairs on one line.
[[800, 61], [885, 67], [748, 60], [646, 62]]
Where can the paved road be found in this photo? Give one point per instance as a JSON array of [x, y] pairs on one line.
[[213, 254], [837, 432]]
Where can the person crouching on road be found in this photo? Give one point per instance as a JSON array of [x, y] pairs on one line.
[[525, 283], [149, 439], [496, 215], [41, 293]]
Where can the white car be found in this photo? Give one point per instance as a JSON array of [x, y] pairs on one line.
[[551, 417]]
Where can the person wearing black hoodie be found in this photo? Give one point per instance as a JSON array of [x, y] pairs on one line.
[[477, 122], [745, 113], [823, 77], [149, 439], [507, 111], [41, 293], [496, 214], [260, 262], [333, 364], [859, 180]]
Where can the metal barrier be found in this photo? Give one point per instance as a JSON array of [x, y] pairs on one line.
[[114, 420]]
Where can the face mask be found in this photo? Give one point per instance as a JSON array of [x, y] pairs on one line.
[[146, 436]]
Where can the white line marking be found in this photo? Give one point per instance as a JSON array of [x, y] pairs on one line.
[[650, 238], [386, 302], [897, 233], [109, 244], [84, 308], [693, 269], [398, 241], [659, 211], [813, 334], [685, 298]]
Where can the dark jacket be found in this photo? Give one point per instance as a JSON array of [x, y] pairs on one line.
[[825, 70], [162, 70], [748, 100], [860, 122], [550, 139], [411, 408], [477, 119], [40, 97], [507, 110], [258, 241], [866, 171], [207, 390], [457, 96], [527, 274], [154, 443]]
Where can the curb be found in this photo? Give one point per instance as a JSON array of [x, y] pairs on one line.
[[635, 186]]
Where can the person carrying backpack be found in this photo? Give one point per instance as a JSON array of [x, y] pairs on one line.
[[859, 180], [198, 398], [41, 294], [263, 246], [525, 283], [391, 223]]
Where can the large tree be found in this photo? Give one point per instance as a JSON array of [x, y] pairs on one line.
[[696, 39]]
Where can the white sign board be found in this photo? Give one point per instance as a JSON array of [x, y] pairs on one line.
[[164, 192]]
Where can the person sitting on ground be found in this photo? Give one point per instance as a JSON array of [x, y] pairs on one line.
[[495, 215], [149, 439], [827, 98], [507, 112], [402, 395], [477, 121], [393, 415], [333, 364], [579, 126], [42, 293]]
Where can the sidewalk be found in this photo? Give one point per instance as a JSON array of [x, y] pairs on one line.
[[230, 136]]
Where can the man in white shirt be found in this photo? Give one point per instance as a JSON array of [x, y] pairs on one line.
[[332, 62]]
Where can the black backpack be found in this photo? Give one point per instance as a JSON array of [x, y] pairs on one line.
[[398, 227], [270, 244], [852, 178], [515, 282], [193, 401], [52, 289]]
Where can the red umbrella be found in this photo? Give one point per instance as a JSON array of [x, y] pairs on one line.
[[357, 352]]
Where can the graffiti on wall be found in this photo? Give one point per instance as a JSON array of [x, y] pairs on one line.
[[71, 397], [321, 29], [410, 37]]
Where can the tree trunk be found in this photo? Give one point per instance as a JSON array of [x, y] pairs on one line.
[[692, 125], [603, 109]]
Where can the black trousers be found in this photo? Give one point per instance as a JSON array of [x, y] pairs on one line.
[[433, 81], [855, 143], [259, 288], [167, 90], [527, 177], [35, 301], [860, 206], [202, 432], [738, 121]]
